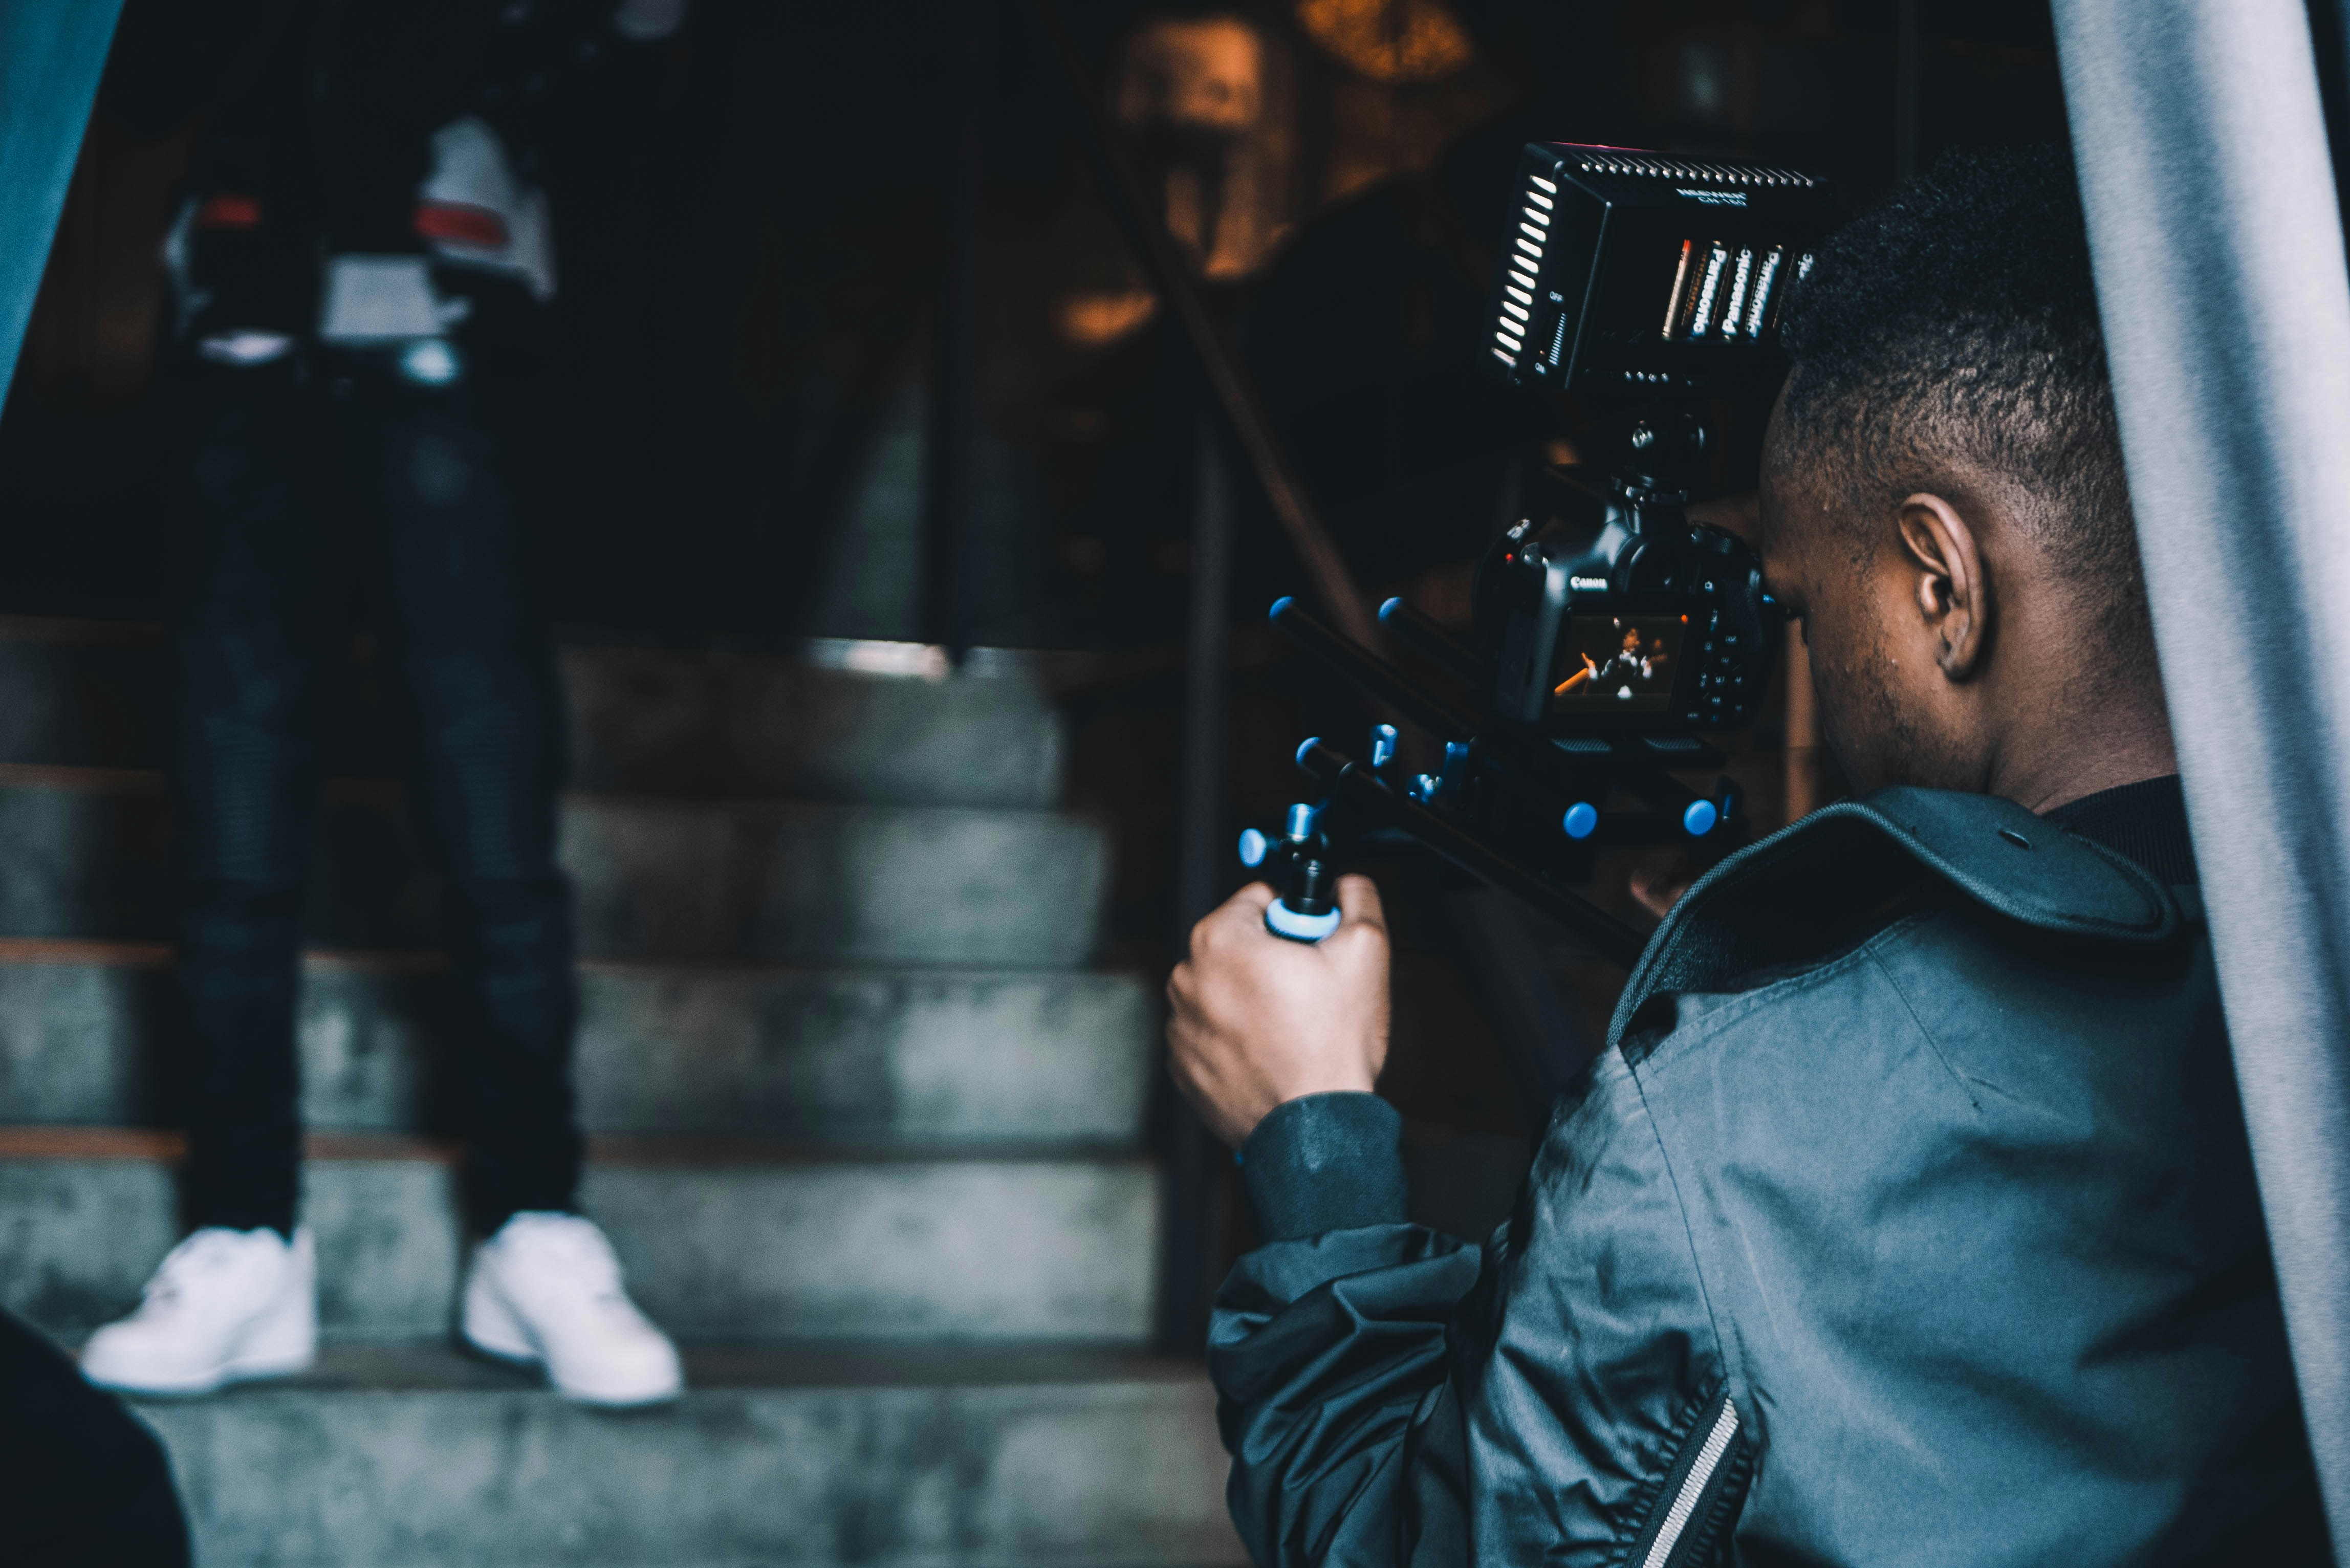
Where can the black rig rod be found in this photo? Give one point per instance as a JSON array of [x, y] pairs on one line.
[[1370, 671], [1640, 771], [1436, 642], [1610, 938]]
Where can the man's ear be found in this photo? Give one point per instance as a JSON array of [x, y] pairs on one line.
[[1952, 590]]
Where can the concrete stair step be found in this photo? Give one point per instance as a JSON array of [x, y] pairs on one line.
[[84, 853], [736, 1243], [410, 1456], [842, 720], [789, 882], [859, 1057], [837, 720]]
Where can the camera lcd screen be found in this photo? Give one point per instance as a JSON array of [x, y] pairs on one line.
[[1618, 663]]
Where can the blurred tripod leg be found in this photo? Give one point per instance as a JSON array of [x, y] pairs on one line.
[[1195, 1164]]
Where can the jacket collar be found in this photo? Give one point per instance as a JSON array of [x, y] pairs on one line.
[[1794, 895]]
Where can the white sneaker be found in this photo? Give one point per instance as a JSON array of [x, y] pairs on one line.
[[225, 1306], [546, 1291]]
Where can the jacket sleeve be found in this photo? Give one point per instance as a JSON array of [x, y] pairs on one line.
[[1331, 1343], [1390, 1395]]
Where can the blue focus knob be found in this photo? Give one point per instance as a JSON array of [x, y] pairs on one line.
[[1699, 817], [1580, 819], [1383, 744], [1253, 846], [1456, 767], [1301, 821]]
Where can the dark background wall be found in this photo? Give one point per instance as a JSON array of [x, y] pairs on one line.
[[737, 415], [737, 408]]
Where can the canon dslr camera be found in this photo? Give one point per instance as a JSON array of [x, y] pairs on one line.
[[1609, 630]]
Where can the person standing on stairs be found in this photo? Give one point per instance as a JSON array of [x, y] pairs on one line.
[[361, 270]]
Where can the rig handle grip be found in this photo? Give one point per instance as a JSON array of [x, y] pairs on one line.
[[1304, 907], [1297, 926]]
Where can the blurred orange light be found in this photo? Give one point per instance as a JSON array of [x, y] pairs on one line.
[[1388, 40], [1096, 320]]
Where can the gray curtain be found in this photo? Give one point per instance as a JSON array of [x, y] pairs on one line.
[[51, 52], [2212, 210]]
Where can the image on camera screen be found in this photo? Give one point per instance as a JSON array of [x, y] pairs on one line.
[[1618, 663]]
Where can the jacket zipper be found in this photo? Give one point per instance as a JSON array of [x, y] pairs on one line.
[[1696, 1487]]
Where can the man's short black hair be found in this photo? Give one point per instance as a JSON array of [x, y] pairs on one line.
[[1959, 320]]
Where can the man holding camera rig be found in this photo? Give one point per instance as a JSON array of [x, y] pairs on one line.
[[1908, 1215]]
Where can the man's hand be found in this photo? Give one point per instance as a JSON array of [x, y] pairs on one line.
[[1255, 1020]]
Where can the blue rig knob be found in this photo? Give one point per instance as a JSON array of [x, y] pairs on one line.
[[1300, 823], [1253, 846], [1426, 787], [1284, 921], [1580, 819], [1700, 818], [1383, 744]]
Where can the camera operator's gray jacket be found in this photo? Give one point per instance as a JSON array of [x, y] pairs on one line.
[[1907, 1218]]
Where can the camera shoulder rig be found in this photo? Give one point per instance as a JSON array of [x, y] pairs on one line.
[[1608, 629]]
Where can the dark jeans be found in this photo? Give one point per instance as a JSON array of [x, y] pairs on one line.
[[298, 493]]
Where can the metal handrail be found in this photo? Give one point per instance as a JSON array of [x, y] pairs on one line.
[[1333, 582]]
